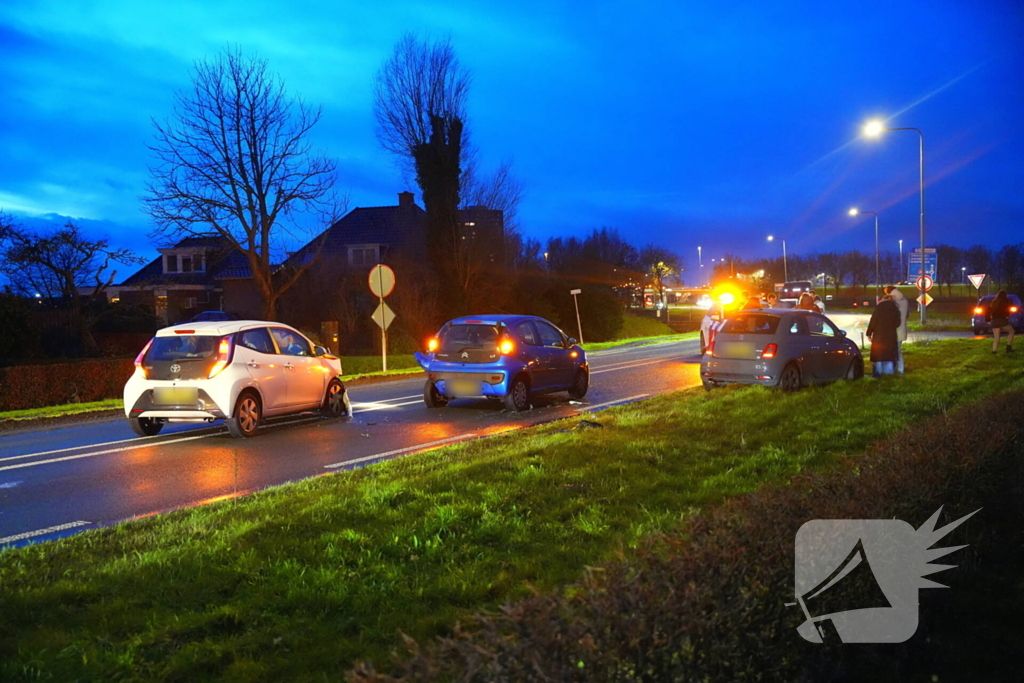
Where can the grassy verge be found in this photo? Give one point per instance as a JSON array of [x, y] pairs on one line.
[[60, 411], [303, 579], [641, 341]]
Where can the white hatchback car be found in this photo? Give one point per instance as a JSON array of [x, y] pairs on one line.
[[240, 371]]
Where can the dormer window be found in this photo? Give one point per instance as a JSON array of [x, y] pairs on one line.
[[363, 255], [184, 263]]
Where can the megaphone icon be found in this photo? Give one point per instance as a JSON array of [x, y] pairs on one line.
[[851, 586]]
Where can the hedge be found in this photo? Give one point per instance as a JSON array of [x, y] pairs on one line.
[[709, 603], [38, 386]]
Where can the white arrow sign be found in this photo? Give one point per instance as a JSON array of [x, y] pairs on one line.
[[976, 280], [383, 316]]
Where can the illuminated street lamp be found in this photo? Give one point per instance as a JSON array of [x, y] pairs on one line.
[[785, 267], [700, 259], [901, 259], [874, 129], [855, 212]]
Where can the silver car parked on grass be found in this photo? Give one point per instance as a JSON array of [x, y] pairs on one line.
[[787, 348]]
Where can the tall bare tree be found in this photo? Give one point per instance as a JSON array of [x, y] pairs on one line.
[[419, 103], [235, 159], [62, 264]]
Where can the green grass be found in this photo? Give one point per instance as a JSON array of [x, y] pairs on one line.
[[299, 581], [58, 411], [600, 346]]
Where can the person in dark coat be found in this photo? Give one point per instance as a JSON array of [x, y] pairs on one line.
[[999, 316], [882, 331]]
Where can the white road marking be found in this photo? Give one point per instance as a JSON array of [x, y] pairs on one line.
[[380, 405], [422, 446], [91, 445], [42, 532], [631, 365], [615, 402], [136, 446]]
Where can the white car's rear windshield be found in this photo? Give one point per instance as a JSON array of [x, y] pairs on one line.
[[182, 347]]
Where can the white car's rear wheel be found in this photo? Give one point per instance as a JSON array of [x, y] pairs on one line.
[[145, 426], [245, 421]]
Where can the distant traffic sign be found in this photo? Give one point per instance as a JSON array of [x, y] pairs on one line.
[[925, 299], [976, 280], [924, 283], [575, 291], [382, 280], [930, 266], [383, 316]]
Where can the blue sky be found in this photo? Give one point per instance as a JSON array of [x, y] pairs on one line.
[[681, 123]]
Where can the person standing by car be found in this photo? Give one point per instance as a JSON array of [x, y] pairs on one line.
[[999, 315], [882, 329], [901, 333], [772, 299], [807, 303]]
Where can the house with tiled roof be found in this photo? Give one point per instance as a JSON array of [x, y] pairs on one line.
[[184, 280]]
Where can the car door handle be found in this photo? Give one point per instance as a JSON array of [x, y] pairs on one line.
[[288, 366], [253, 364]]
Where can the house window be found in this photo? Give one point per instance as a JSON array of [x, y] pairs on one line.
[[186, 264], [171, 264], [362, 256]]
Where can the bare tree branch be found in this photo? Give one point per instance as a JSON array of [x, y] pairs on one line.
[[235, 159]]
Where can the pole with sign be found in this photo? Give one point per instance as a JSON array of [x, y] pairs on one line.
[[579, 327], [976, 280], [382, 283]]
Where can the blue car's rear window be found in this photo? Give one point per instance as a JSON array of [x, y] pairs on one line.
[[751, 323], [467, 336]]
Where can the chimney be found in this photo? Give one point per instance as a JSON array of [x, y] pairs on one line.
[[405, 198]]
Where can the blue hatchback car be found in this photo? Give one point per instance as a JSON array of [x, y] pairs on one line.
[[504, 357]]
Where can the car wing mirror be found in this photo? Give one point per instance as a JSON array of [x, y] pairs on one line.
[[572, 342], [842, 333], [320, 351]]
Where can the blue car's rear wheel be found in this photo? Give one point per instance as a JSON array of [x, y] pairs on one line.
[[433, 398], [518, 396]]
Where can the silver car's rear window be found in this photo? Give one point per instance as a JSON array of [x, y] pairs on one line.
[[751, 323], [182, 347]]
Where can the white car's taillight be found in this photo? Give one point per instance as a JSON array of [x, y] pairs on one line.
[[142, 354], [225, 350]]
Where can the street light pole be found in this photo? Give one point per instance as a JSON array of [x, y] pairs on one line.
[[700, 259], [901, 260], [785, 265], [878, 286], [876, 128]]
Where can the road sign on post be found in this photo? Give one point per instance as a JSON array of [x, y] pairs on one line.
[[924, 283], [579, 327], [925, 299], [976, 280], [382, 283], [930, 267]]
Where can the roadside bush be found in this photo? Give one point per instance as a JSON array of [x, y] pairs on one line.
[[634, 326], [708, 603], [19, 337], [37, 386]]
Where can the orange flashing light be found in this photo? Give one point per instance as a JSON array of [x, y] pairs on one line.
[[223, 357], [978, 310], [506, 346], [432, 344]]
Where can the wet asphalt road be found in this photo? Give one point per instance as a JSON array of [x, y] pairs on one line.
[[60, 481]]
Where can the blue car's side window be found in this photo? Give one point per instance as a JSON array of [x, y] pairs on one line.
[[525, 332]]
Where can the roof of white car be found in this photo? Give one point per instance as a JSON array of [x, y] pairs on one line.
[[217, 327]]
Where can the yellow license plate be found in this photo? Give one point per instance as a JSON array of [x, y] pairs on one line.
[[175, 396], [736, 350]]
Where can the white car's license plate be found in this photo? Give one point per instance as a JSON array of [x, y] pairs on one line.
[[462, 387], [175, 396]]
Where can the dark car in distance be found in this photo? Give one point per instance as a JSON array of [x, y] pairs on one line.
[[502, 357], [981, 322]]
